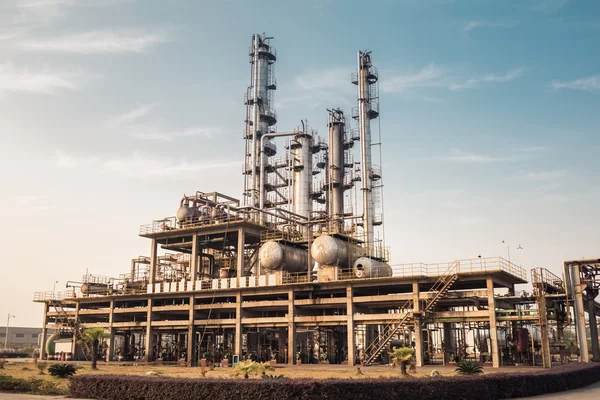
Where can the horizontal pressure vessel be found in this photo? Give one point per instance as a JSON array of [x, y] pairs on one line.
[[276, 256], [365, 267], [328, 250]]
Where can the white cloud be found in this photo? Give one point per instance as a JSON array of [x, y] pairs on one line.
[[154, 133], [434, 76], [135, 123], [15, 79], [135, 114], [544, 176], [485, 24], [99, 42], [549, 6], [139, 165], [533, 149], [429, 76], [460, 156], [590, 84], [491, 78]]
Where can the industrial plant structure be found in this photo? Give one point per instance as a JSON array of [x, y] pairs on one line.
[[298, 271]]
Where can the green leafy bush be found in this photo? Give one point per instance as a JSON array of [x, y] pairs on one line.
[[469, 368], [62, 370], [35, 386], [41, 366], [247, 368]]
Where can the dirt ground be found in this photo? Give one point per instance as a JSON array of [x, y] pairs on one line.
[[26, 369]]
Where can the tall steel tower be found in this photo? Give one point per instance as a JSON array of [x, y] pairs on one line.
[[368, 108], [260, 115]]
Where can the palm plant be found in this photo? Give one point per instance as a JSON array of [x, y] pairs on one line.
[[469, 368], [401, 357], [62, 370], [93, 337]]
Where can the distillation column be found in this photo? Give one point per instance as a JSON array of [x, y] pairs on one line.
[[368, 109], [302, 148], [260, 115], [336, 169]]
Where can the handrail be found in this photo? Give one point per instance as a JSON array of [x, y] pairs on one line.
[[388, 331]]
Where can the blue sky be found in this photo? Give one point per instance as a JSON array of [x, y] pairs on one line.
[[110, 110]]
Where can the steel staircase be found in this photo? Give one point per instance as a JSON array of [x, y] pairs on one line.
[[387, 334], [440, 288], [72, 323]]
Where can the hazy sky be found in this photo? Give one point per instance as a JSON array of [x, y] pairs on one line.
[[110, 110]]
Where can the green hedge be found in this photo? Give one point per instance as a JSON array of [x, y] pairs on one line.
[[482, 387], [32, 385]]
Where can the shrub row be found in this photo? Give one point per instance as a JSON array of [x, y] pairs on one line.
[[35, 386], [482, 387]]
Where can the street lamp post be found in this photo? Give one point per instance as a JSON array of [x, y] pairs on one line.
[[508, 248], [7, 324]]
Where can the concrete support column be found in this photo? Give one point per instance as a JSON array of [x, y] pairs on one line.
[[44, 334], [291, 329], [493, 328], [546, 356], [191, 334], [240, 253], [111, 339], [350, 315], [238, 324], [153, 262], [75, 328], [579, 313], [194, 259], [593, 325], [149, 331], [418, 325], [447, 342]]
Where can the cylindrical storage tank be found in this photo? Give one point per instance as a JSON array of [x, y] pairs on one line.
[[276, 256], [327, 250], [94, 288], [365, 267]]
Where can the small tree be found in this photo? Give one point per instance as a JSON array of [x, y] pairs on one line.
[[401, 357], [41, 366], [93, 337]]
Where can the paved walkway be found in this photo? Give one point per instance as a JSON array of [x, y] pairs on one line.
[[588, 392]]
